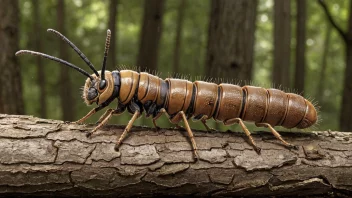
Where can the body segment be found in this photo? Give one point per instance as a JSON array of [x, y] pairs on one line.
[[183, 99]]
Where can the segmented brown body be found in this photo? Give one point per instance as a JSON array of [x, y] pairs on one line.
[[182, 99], [221, 102]]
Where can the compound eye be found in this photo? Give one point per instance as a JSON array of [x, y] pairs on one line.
[[102, 85], [92, 93]]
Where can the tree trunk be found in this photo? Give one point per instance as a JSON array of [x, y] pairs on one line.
[[282, 36], [11, 100], [300, 46], [49, 157], [37, 29], [345, 116], [324, 63], [231, 39], [179, 28], [67, 101], [150, 34], [112, 26], [346, 106]]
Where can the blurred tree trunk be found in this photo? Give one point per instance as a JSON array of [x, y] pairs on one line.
[[150, 34], [11, 100], [179, 28], [231, 39], [67, 101], [282, 39], [300, 46], [345, 115], [37, 29], [324, 61], [112, 26]]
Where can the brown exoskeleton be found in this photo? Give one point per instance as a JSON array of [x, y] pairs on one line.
[[182, 99]]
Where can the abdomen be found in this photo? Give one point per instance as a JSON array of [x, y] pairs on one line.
[[260, 105]]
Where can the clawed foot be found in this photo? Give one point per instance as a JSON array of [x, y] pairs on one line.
[[258, 150], [89, 134], [116, 148], [196, 156], [291, 146]]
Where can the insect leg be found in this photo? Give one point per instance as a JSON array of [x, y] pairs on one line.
[[109, 113], [160, 113], [127, 129], [276, 134], [104, 116], [181, 115], [246, 131], [90, 113], [204, 121]]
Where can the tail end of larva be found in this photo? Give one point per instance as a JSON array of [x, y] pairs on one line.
[[311, 117]]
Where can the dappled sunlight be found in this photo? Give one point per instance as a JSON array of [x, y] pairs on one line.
[[86, 23]]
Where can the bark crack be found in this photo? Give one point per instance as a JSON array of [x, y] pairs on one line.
[[64, 162], [90, 153]]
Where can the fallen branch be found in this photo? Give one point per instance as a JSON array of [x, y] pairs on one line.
[[49, 157]]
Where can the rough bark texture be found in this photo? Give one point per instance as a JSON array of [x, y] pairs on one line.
[[231, 39], [49, 157], [11, 100], [112, 26], [66, 98], [41, 78], [150, 34], [282, 40], [300, 46]]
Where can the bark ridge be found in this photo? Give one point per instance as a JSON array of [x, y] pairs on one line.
[[50, 157]]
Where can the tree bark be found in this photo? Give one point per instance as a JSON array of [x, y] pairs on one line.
[[37, 29], [179, 28], [282, 36], [231, 39], [67, 101], [50, 157], [300, 46], [112, 26], [150, 34], [11, 100]]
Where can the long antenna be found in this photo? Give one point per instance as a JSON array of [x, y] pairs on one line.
[[83, 57], [107, 46], [55, 59]]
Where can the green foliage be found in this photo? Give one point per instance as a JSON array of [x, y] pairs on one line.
[[86, 24]]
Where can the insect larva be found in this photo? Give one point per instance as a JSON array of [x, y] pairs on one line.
[[182, 99]]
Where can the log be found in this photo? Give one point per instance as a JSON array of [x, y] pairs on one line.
[[44, 157]]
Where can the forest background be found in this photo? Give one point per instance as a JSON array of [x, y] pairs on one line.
[[298, 46]]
